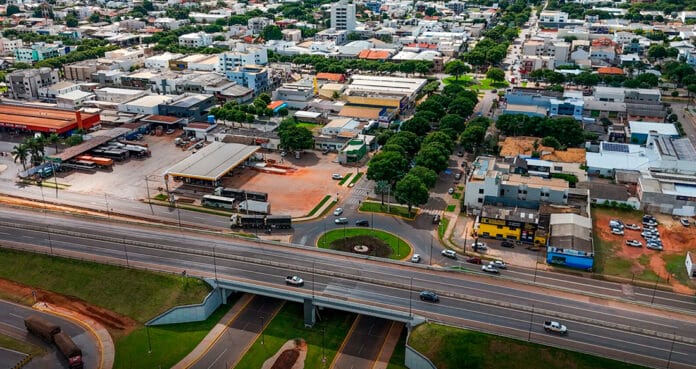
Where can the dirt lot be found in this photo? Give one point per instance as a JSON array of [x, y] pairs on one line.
[[675, 240], [127, 180], [297, 192]]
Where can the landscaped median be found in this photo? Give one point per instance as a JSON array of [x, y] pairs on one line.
[[377, 243], [122, 299], [450, 347], [398, 210]]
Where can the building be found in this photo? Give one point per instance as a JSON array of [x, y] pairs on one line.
[[42, 119], [343, 16], [386, 92], [257, 24], [81, 71], [146, 104], [211, 163], [118, 95], [570, 242], [25, 84], [40, 51], [509, 220], [557, 51], [74, 99], [640, 131], [254, 77], [353, 152], [8, 47], [197, 39], [634, 95], [49, 93], [553, 17], [193, 107], [195, 62], [295, 95], [243, 54], [161, 62]]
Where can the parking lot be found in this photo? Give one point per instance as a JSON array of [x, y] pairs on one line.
[[297, 192]]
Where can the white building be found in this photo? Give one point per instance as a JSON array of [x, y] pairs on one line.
[[244, 54], [8, 46], [343, 16], [257, 24], [59, 88], [198, 39], [117, 95], [146, 104], [161, 62], [553, 17], [25, 84], [74, 99]]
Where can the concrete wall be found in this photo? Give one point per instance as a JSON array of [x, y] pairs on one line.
[[416, 360], [195, 312]]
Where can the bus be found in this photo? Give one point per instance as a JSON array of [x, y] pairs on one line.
[[213, 201]]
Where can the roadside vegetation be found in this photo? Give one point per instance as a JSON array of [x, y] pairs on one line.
[[451, 348], [319, 205], [399, 248], [375, 207], [288, 324], [20, 346]]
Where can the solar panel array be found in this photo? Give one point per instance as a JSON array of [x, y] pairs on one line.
[[615, 147]]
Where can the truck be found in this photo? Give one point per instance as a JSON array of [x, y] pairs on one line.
[[69, 349], [260, 221], [556, 327], [41, 327], [241, 195]]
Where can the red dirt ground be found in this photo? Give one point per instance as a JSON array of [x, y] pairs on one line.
[[115, 323], [675, 240]]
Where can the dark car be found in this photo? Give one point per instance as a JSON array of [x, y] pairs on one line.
[[474, 260], [436, 219], [460, 154], [507, 244], [429, 296], [362, 223]]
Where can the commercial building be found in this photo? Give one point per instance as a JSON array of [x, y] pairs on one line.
[[25, 84], [343, 16], [386, 92], [254, 77], [43, 119], [80, 71], [193, 107], [118, 95], [353, 152], [509, 220], [197, 39], [211, 163], [40, 51], [570, 242], [146, 104], [161, 62], [640, 131], [195, 62], [243, 54]]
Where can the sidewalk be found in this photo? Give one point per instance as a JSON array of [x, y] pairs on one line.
[[104, 341], [390, 343]]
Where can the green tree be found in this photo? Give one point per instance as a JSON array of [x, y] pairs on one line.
[[94, 18], [472, 138], [440, 138], [417, 125], [382, 188], [53, 139], [12, 9], [296, 138], [456, 68], [428, 176], [407, 140], [550, 141], [411, 191], [657, 52], [495, 74], [462, 106], [433, 156], [452, 122], [20, 154], [387, 166], [271, 32], [71, 20], [394, 148]]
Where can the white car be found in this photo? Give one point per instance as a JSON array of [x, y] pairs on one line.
[[336, 176], [338, 211], [416, 258], [449, 254], [617, 231], [450, 190], [341, 220], [634, 243], [498, 264], [488, 268], [631, 226], [479, 246], [294, 280]]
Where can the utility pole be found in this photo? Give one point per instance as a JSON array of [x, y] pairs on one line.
[[149, 199], [215, 262]]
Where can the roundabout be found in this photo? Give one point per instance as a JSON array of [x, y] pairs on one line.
[[362, 241]]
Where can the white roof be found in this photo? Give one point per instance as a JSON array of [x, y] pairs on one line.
[[75, 95], [646, 127], [213, 161], [151, 100]]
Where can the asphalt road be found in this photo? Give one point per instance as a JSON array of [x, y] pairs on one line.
[[363, 344], [12, 324], [597, 325]]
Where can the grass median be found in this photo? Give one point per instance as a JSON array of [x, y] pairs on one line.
[[345, 179], [449, 347], [319, 205], [376, 207], [288, 324], [400, 248], [20, 346]]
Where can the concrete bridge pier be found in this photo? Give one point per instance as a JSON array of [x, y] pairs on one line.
[[310, 313]]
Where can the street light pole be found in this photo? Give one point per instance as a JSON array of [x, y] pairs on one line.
[[323, 345], [125, 251], [262, 325], [410, 299], [149, 344], [215, 262], [531, 321], [430, 259], [149, 199]]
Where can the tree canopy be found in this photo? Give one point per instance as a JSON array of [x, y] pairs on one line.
[[411, 191]]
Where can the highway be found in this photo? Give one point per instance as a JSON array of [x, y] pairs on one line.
[[608, 328]]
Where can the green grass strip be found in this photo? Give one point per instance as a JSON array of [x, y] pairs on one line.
[[400, 248], [21, 346], [376, 207], [135, 293], [450, 207], [319, 205], [444, 222], [170, 343], [345, 179], [449, 347], [289, 325], [356, 178]]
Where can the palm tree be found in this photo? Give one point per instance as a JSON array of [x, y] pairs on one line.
[[36, 149], [20, 153], [54, 139]]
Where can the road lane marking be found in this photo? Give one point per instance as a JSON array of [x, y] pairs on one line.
[[217, 358]]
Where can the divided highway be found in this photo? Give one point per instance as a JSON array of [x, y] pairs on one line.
[[600, 326]]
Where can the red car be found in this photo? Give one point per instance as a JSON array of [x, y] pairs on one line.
[[474, 260]]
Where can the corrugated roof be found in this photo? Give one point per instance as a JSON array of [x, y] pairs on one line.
[[610, 70], [374, 54], [213, 161]]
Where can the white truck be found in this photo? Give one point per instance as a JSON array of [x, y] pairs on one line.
[[556, 327]]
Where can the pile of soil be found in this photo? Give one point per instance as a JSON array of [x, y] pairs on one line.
[[374, 245], [287, 359], [109, 319]]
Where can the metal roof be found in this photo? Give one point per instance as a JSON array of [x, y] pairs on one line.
[[213, 161]]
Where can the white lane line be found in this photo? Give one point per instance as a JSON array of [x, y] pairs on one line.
[[216, 359]]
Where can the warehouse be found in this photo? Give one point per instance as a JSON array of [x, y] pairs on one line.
[[43, 119], [210, 163]]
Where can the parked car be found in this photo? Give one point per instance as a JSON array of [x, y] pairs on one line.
[[458, 175], [479, 246], [488, 268], [362, 223], [634, 243], [429, 296], [436, 219], [646, 234], [294, 280], [341, 220], [449, 254], [450, 190], [632, 226], [617, 231], [416, 258], [338, 211], [507, 244], [325, 152], [283, 153], [654, 246], [474, 260], [616, 223], [336, 176], [685, 222], [498, 264], [170, 131]]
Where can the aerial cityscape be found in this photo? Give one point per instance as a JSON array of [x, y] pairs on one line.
[[349, 184]]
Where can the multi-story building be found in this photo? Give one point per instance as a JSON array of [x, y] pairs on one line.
[[257, 24], [8, 47], [553, 17], [195, 62], [49, 93], [80, 71], [295, 95], [198, 39], [25, 84], [343, 16], [509, 220], [254, 77], [161, 62], [243, 55], [558, 51], [40, 51]]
